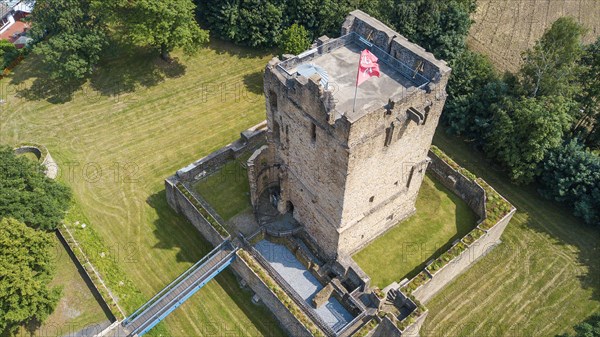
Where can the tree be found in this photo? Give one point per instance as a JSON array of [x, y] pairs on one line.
[[27, 195], [256, 23], [71, 35], [25, 270], [588, 125], [162, 24], [8, 52], [522, 132], [588, 328], [571, 174], [294, 40], [472, 89], [551, 66], [440, 26]]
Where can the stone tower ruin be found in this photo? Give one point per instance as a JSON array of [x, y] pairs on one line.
[[348, 174]]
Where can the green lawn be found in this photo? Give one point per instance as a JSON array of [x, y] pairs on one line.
[[543, 278], [118, 137], [78, 307], [441, 218], [227, 190]]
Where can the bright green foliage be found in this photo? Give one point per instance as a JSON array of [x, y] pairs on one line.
[[73, 34], [588, 328], [551, 66], [162, 24], [8, 52], [571, 174], [27, 195], [523, 131], [472, 88], [25, 270], [440, 26], [294, 40]]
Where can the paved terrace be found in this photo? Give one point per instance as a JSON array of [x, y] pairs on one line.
[[303, 282]]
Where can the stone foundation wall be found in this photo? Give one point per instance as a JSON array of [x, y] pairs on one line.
[[462, 262], [249, 141], [180, 203], [467, 190], [263, 172], [287, 320]]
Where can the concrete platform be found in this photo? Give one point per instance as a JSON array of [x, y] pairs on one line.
[[341, 65]]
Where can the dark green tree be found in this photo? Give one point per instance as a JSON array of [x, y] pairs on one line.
[[440, 26], [570, 174], [522, 132], [27, 195], [162, 24], [256, 23], [472, 88], [294, 40], [588, 328], [588, 125], [26, 268], [551, 66], [71, 35]]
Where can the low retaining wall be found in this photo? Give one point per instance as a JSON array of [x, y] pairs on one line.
[[287, 320], [470, 189], [465, 188], [181, 204], [249, 140], [462, 262]]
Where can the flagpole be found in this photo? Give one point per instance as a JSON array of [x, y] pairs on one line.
[[356, 84]]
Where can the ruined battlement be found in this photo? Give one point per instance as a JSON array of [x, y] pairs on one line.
[[351, 170]]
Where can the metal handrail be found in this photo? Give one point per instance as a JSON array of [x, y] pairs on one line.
[[419, 80], [208, 272], [293, 294], [161, 294]]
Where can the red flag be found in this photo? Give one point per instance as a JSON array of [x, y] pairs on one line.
[[367, 67]]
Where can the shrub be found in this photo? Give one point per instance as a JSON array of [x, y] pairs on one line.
[[294, 40]]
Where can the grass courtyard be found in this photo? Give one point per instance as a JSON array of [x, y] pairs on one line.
[[441, 218], [118, 137], [227, 190], [543, 279]]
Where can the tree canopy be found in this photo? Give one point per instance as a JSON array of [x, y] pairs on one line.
[[523, 131], [162, 24], [551, 66], [27, 195], [72, 34], [26, 268], [588, 328], [294, 40]]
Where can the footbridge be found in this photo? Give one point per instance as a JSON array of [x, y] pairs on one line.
[[182, 288]]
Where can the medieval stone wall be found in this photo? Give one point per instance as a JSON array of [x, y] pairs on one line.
[[287, 320], [461, 263], [467, 190]]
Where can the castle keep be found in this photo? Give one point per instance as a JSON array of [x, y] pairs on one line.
[[348, 171]]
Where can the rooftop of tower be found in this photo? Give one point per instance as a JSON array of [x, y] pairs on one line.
[[404, 66]]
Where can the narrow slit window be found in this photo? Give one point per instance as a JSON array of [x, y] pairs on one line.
[[313, 132]]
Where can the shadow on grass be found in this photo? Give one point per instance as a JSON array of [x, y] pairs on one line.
[[254, 82], [174, 231], [544, 216], [123, 69], [465, 220]]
